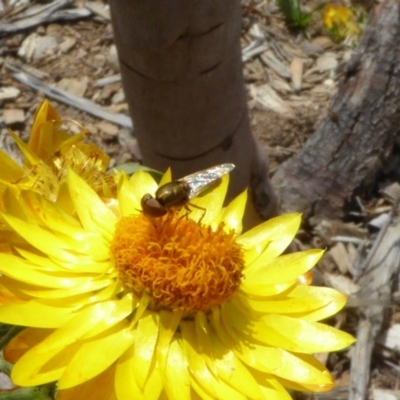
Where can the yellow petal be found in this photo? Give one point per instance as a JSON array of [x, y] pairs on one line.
[[125, 379], [90, 244], [227, 366], [30, 157], [81, 265], [286, 268], [301, 305], [107, 348], [169, 322], [232, 215], [106, 314], [37, 369], [24, 271], [15, 267], [212, 201], [31, 367], [39, 238], [11, 204], [40, 262], [90, 390], [273, 394], [166, 178], [197, 364], [307, 302], [10, 171], [271, 388], [85, 299], [248, 329], [290, 385], [128, 202], [47, 212], [10, 292], [264, 291], [64, 200], [34, 314], [68, 228], [94, 215], [313, 337], [311, 385], [23, 341], [88, 287], [142, 183], [145, 344], [177, 381], [277, 232], [198, 392], [272, 360], [283, 364], [75, 329], [328, 301], [205, 383], [45, 112]]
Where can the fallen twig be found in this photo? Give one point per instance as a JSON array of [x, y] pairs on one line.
[[67, 98], [107, 80], [365, 264], [45, 13], [376, 290]]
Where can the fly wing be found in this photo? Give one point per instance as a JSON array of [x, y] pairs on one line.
[[201, 180]]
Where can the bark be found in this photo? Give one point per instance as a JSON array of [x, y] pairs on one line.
[[356, 141], [182, 74]]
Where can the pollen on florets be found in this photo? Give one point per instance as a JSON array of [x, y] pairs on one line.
[[179, 263]]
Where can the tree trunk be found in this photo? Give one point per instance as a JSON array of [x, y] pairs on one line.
[[182, 74], [357, 139]]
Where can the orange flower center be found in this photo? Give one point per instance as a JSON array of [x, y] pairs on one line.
[[179, 263]]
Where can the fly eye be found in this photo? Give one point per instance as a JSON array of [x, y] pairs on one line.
[[152, 207]]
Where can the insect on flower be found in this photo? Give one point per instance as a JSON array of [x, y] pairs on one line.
[[178, 193]]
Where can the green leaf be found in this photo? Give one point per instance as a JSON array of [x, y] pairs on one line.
[[294, 16], [29, 393], [7, 333]]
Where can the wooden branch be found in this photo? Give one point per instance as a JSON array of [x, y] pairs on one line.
[[34, 16], [366, 263], [70, 99], [358, 136], [376, 292]]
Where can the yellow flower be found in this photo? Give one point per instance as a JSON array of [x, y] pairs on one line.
[[340, 21], [48, 154], [120, 306], [339, 15]]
